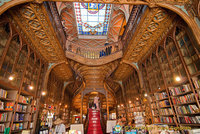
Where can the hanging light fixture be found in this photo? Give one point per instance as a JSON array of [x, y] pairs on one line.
[[43, 93]]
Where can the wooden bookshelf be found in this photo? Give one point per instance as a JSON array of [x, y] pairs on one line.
[[176, 56], [19, 60]]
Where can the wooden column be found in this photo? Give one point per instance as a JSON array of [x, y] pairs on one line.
[[107, 106], [81, 110]]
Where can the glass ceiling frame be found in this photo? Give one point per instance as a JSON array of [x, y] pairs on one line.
[[92, 18]]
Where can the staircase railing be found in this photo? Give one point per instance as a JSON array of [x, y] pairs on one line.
[[93, 53], [86, 122], [102, 121]]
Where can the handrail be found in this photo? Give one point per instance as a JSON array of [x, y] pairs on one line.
[[86, 122], [102, 121], [79, 89], [93, 53]]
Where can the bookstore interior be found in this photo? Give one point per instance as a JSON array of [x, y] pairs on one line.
[[99, 67]]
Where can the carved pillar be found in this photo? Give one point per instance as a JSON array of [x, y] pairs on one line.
[[107, 105], [81, 110]]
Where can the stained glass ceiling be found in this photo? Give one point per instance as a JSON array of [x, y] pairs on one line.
[[92, 18]]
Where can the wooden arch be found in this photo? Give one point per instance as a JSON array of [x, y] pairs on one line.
[[46, 78]]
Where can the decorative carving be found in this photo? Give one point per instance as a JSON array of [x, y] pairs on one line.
[[94, 76], [33, 21], [156, 22]]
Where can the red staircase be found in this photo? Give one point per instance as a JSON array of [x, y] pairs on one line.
[[94, 126]]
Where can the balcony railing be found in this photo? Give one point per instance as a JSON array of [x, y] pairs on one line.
[[93, 53]]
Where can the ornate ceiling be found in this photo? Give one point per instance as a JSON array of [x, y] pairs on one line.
[[33, 22], [94, 76], [116, 24]]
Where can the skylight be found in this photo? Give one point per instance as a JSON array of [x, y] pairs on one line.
[[92, 18]]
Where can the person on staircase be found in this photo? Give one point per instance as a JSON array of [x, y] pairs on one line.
[[96, 102]]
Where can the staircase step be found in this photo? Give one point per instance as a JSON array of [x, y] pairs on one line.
[[94, 125]]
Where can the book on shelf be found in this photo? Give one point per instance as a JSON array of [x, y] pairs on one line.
[[3, 116], [164, 103], [21, 108], [19, 117], [196, 83], [3, 93], [160, 96], [2, 127], [9, 106], [179, 90], [17, 126], [184, 99], [166, 111], [189, 109], [1, 105], [166, 120], [190, 120], [24, 99]]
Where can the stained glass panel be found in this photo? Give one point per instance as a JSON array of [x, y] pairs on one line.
[[92, 18]]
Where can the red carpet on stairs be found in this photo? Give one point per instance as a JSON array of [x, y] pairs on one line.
[[94, 126]]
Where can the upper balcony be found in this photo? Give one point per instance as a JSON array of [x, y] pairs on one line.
[[93, 56]]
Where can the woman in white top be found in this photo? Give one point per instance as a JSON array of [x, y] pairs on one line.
[[60, 127], [96, 102]]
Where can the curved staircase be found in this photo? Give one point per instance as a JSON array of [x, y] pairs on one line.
[[94, 126]]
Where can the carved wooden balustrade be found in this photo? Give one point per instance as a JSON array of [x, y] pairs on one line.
[[133, 20], [93, 53]]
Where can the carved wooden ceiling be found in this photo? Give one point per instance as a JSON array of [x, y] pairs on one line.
[[64, 72], [94, 76], [34, 23], [156, 23]]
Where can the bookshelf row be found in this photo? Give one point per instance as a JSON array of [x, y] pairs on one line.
[[21, 80], [16, 111], [171, 75]]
